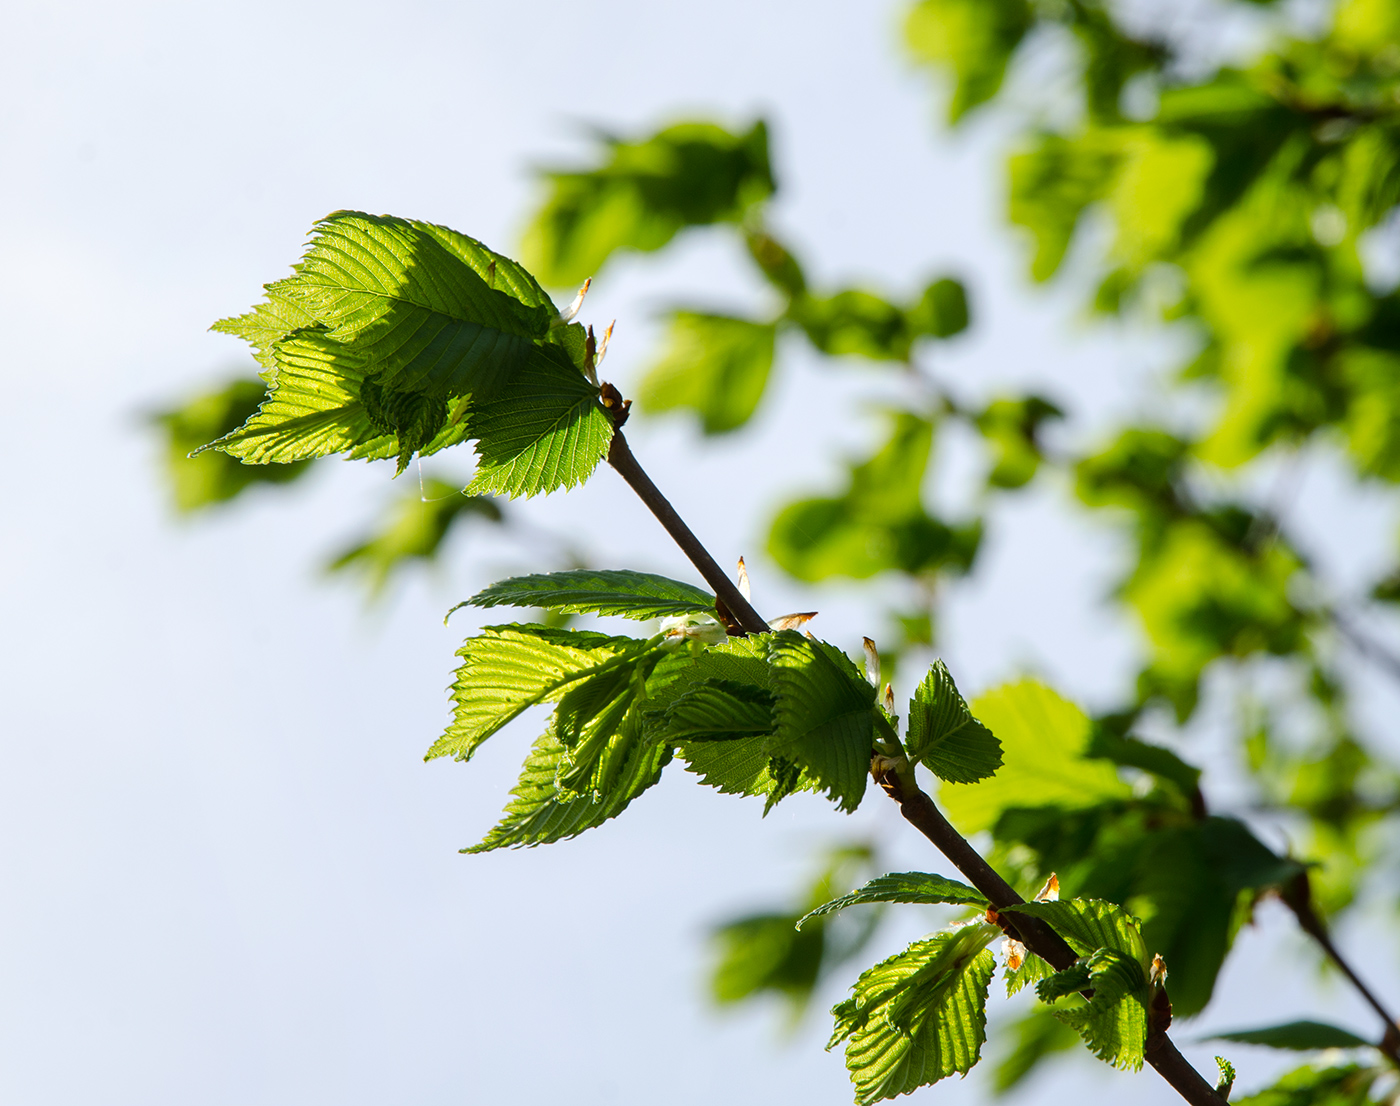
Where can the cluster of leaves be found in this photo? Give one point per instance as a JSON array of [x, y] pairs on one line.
[[765, 716]]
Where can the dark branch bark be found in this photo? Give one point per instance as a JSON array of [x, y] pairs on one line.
[[620, 457], [896, 776]]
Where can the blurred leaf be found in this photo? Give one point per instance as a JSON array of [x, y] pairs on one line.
[[942, 310], [879, 523], [714, 365], [974, 38], [1043, 739], [944, 737], [1301, 1036], [919, 1016], [414, 529], [1346, 1085], [642, 193], [1011, 428], [1036, 1037], [854, 323], [638, 595], [210, 478], [1131, 752]]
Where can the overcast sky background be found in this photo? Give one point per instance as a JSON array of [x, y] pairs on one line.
[[228, 877]]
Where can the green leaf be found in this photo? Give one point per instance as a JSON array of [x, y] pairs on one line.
[[1071, 980], [974, 38], [1342, 1085], [824, 714], [714, 365], [1012, 427], [416, 526], [1051, 186], [312, 409], [212, 478], [919, 1016], [915, 887], [942, 310], [1114, 1021], [1043, 738], [764, 952], [384, 322], [854, 323], [546, 430], [508, 669], [719, 710], [879, 523], [943, 735], [1226, 1082], [1130, 752], [541, 811], [638, 595], [643, 193], [1090, 924], [1300, 1036], [1032, 970]]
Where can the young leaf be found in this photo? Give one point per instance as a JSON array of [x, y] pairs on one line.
[[1043, 738], [1090, 924], [546, 430], [944, 736], [1032, 969], [919, 1016], [639, 595], [1301, 1036], [824, 714], [917, 887], [541, 811], [508, 669], [1114, 1021]]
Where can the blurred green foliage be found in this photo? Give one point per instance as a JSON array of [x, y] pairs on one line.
[[414, 529], [197, 483]]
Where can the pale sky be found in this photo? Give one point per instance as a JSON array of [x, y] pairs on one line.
[[228, 877]]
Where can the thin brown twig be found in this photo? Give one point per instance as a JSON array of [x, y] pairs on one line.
[[897, 778], [621, 458]]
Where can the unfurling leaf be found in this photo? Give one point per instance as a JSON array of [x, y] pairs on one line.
[[638, 595], [943, 735], [914, 887], [919, 1016]]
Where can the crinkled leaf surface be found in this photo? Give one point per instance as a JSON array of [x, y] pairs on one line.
[[943, 735], [824, 714], [545, 430], [639, 595], [919, 1016], [916, 887], [508, 669]]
